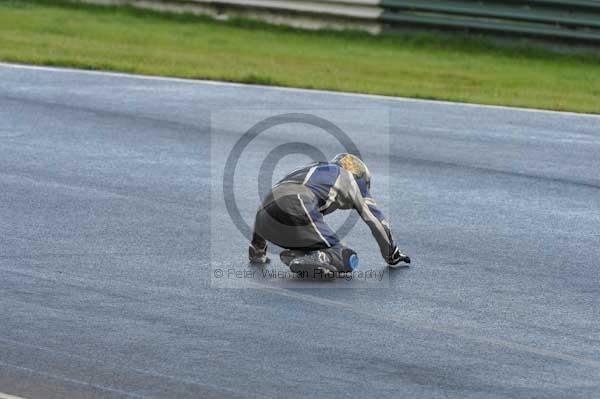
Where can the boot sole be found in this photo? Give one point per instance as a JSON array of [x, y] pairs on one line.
[[288, 255], [308, 270]]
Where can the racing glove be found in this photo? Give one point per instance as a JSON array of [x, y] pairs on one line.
[[396, 257]]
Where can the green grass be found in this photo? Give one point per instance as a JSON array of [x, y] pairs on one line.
[[421, 65]]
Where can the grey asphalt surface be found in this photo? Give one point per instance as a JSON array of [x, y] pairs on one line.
[[109, 240]]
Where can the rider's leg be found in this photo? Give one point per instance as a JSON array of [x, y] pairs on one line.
[[294, 223]]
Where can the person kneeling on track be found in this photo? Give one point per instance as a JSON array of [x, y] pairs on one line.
[[291, 216]]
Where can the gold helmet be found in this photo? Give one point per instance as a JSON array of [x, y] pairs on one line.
[[354, 165]]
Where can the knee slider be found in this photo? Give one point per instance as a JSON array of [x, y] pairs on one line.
[[350, 258]]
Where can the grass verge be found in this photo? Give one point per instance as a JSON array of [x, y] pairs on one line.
[[420, 65]]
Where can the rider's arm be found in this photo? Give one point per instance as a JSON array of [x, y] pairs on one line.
[[373, 217]]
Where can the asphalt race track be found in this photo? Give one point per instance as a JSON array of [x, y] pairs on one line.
[[112, 225]]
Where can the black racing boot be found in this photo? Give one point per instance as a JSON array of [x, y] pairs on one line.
[[257, 256]]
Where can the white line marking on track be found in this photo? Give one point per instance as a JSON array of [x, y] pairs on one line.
[[73, 381], [151, 373], [7, 396], [289, 89]]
